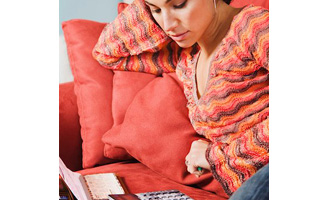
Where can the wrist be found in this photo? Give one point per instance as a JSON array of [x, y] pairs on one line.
[[207, 155]]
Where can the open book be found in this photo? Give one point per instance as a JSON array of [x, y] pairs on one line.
[[90, 187]]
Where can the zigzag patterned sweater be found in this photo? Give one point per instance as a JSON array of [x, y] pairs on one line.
[[234, 109]]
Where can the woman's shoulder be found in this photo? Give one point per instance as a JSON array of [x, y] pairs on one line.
[[249, 22], [251, 15], [252, 10]]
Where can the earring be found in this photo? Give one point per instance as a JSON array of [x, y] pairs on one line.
[[214, 1]]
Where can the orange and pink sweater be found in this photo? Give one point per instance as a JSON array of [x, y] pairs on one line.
[[234, 109]]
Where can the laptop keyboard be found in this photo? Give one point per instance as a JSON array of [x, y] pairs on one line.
[[164, 195]]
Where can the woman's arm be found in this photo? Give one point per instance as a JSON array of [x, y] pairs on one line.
[[162, 61], [134, 42], [233, 163]]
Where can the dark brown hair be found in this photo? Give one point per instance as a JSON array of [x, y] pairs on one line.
[[227, 1]]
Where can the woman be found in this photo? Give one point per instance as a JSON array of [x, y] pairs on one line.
[[223, 96], [224, 69]]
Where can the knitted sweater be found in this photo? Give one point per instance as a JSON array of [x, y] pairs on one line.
[[134, 42], [233, 111]]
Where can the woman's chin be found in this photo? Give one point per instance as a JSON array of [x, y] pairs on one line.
[[184, 44]]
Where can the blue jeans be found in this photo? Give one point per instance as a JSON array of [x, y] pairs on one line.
[[255, 188]]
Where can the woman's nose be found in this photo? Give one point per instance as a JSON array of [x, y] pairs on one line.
[[169, 22]]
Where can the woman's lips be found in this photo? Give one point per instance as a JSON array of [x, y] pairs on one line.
[[179, 37]]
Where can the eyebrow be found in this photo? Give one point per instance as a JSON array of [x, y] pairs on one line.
[[167, 1]]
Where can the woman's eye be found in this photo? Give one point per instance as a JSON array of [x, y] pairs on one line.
[[181, 5], [156, 10]]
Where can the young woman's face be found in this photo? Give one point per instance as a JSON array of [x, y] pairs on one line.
[[184, 21]]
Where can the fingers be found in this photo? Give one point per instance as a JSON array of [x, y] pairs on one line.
[[202, 141], [194, 169], [198, 173], [191, 168], [195, 160]]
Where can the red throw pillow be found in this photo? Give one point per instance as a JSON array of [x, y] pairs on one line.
[[93, 88], [157, 132], [125, 87]]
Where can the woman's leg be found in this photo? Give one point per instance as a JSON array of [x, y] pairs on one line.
[[255, 188]]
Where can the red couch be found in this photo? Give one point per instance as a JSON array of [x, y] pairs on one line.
[[109, 124], [136, 176]]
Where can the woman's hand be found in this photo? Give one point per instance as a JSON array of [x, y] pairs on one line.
[[196, 157]]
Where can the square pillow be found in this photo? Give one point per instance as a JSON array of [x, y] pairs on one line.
[[125, 87], [93, 88], [156, 131]]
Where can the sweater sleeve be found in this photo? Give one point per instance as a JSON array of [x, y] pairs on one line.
[[162, 61], [134, 42], [261, 41], [253, 34], [234, 162]]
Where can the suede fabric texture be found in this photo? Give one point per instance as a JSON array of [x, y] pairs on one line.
[[70, 142], [156, 131], [125, 87], [93, 88], [138, 178]]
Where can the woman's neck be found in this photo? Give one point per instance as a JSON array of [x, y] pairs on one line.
[[218, 28]]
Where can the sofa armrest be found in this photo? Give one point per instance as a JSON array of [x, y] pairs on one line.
[[70, 142]]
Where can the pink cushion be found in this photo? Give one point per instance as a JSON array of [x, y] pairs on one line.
[[157, 132], [138, 178], [125, 87], [93, 88]]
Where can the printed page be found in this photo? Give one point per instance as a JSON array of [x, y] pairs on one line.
[[101, 185], [74, 181]]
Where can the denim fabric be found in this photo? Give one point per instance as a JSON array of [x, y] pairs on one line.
[[255, 188]]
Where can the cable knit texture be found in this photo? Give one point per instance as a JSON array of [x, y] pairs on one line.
[[234, 108]]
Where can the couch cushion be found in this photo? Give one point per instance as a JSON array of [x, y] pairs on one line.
[[138, 178], [157, 132], [125, 87], [70, 143], [93, 88]]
